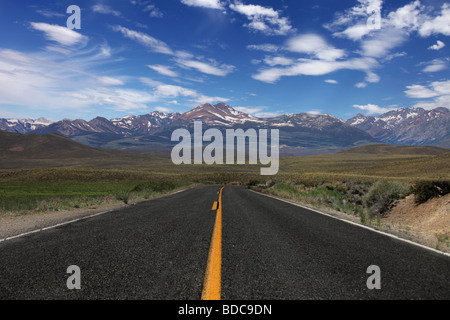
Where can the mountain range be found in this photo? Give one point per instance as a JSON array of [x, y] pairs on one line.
[[408, 126], [300, 134]]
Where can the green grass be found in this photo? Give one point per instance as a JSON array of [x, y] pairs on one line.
[[24, 197], [443, 240], [336, 180]]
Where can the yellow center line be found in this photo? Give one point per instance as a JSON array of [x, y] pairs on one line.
[[213, 275]]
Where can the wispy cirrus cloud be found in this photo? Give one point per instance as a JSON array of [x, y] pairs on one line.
[[49, 13], [211, 68], [61, 35], [105, 9], [164, 70], [182, 58], [65, 85], [168, 91], [145, 39]]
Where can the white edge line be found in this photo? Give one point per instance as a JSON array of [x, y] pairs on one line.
[[356, 224], [75, 220]]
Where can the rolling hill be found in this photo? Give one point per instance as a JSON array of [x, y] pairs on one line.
[[48, 146]]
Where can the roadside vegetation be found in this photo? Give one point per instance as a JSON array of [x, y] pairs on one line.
[[361, 184], [44, 190], [368, 200]]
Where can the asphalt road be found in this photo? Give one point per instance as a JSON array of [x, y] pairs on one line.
[[270, 249]]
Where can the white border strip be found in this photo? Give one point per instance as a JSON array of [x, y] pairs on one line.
[[75, 220], [356, 224]]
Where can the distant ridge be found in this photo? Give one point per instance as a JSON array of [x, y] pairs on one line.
[[17, 145], [403, 150]]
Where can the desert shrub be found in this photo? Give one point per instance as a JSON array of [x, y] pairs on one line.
[[123, 196], [252, 183], [155, 186], [426, 190], [286, 187], [382, 194]]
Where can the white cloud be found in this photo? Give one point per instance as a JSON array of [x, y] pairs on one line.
[[145, 39], [64, 85], [361, 85], [267, 47], [259, 112], [411, 17], [168, 90], [394, 55], [314, 45], [372, 77], [381, 42], [312, 67], [262, 19], [436, 65], [105, 9], [437, 25], [210, 4], [435, 89], [420, 92], [438, 46], [439, 102], [59, 34], [153, 11], [314, 112], [355, 32], [208, 68], [249, 110], [282, 61], [438, 90], [50, 14], [371, 109], [110, 81], [119, 99], [164, 70], [58, 49], [331, 81], [415, 17], [163, 90], [163, 109], [182, 58], [354, 20], [407, 17]]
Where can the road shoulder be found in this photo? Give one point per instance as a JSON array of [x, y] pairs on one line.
[[15, 225]]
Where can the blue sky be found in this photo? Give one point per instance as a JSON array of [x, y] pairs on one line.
[[265, 58]]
